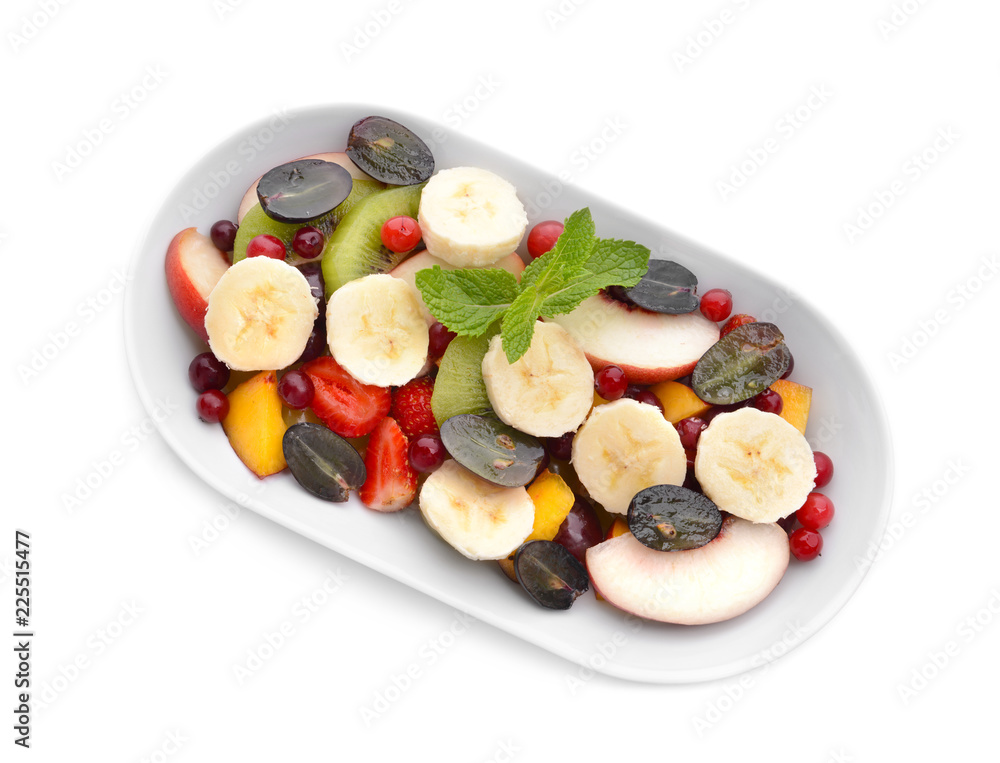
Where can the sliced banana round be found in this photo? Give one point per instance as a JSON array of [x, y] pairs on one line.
[[548, 390], [479, 519], [470, 217], [377, 331], [260, 315], [624, 447], [754, 465]]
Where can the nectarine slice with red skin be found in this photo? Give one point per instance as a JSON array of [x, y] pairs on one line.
[[193, 266], [649, 347], [720, 580]]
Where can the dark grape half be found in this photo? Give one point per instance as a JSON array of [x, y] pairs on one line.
[[301, 191], [550, 574], [323, 462]]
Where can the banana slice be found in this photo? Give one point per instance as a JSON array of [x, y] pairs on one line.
[[754, 465], [470, 217], [377, 331], [550, 388], [260, 315], [479, 519], [624, 447]]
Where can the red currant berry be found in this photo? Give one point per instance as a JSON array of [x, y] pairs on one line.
[[400, 234], [212, 405], [266, 245], [439, 339], [735, 322], [690, 430], [768, 401], [804, 544], [717, 304], [824, 468], [791, 365], [223, 235], [610, 382], [816, 513], [649, 398], [543, 237], [208, 372], [296, 390], [427, 453], [308, 242], [787, 523], [561, 447]]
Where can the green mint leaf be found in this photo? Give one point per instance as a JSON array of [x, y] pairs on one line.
[[571, 249], [467, 301], [611, 263], [518, 324]]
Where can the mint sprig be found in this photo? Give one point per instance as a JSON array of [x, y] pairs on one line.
[[468, 301]]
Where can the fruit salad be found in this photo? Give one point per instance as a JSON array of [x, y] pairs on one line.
[[580, 416]]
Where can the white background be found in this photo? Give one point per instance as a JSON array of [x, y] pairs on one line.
[[538, 80]]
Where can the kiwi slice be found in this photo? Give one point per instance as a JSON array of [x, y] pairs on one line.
[[257, 222], [355, 249], [459, 386]]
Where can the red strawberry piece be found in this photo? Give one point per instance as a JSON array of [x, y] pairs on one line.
[[348, 407], [411, 407], [735, 322], [391, 482]]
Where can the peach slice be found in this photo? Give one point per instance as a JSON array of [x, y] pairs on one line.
[[193, 266], [255, 424], [649, 347], [407, 270], [796, 400], [720, 580], [250, 197], [553, 501], [679, 401]]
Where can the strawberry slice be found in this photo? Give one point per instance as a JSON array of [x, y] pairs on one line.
[[348, 407], [391, 483], [411, 407]]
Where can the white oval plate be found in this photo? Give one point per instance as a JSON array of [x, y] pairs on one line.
[[591, 634]]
